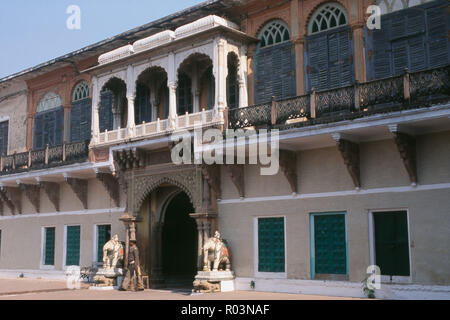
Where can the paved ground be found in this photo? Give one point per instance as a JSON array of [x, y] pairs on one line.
[[28, 289]]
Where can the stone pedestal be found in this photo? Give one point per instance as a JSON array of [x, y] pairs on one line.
[[107, 279], [214, 281]]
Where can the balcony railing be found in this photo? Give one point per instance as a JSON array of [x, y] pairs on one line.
[[146, 130], [45, 158], [412, 90]]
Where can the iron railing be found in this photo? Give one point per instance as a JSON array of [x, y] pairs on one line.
[[45, 158], [411, 90]]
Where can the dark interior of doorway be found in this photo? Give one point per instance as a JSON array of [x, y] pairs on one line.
[[179, 243]]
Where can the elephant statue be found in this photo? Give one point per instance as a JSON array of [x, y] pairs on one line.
[[112, 253], [216, 251]]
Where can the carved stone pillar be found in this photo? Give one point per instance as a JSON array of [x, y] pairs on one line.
[[251, 74], [95, 104], [243, 80], [358, 42], [221, 73], [172, 104], [130, 97], [299, 66], [204, 223]]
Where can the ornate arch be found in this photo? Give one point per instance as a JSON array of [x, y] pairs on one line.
[[326, 16], [80, 91], [274, 32], [121, 75], [189, 181], [162, 63], [206, 49]]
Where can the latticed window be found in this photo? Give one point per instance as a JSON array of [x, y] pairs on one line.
[[81, 92], [73, 246], [273, 33], [50, 101], [49, 252], [328, 16]]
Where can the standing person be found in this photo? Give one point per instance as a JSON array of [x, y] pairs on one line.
[[133, 268]]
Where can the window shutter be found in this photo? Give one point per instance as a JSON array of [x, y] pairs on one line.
[[438, 26], [39, 131], [75, 121], [381, 65], [73, 246], [105, 111], [4, 137], [49, 246], [143, 108], [59, 127], [80, 120], [104, 235], [317, 57]]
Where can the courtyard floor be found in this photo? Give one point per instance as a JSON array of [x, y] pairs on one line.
[[31, 289]]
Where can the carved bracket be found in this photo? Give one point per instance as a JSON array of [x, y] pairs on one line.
[[129, 159], [52, 191], [212, 176], [12, 198], [288, 165], [236, 172], [1, 207], [80, 188], [33, 193], [406, 146], [350, 153], [111, 185]]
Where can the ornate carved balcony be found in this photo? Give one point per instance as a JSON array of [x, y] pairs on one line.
[[45, 158], [412, 90]]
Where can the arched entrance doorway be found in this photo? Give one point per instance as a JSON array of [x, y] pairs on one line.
[[179, 242]]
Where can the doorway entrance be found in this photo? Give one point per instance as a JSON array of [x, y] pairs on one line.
[[179, 242]]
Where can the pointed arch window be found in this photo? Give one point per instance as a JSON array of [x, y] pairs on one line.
[[50, 101], [329, 16], [81, 92], [274, 33]]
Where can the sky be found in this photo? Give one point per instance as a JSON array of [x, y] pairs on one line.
[[35, 31]]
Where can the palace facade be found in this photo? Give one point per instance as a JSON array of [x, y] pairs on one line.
[[364, 137]]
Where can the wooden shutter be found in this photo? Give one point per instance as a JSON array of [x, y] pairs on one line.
[[391, 243], [80, 120], [438, 25], [143, 107], [104, 235], [330, 251], [49, 247], [414, 38], [4, 137], [271, 249], [39, 120], [275, 72], [73, 246], [105, 111], [329, 57]]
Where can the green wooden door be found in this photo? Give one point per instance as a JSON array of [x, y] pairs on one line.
[[271, 255], [104, 235], [73, 246], [391, 243], [49, 247], [330, 248]]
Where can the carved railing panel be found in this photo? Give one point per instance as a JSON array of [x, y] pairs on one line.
[[77, 151], [296, 108], [257, 115], [334, 102], [55, 155], [37, 158], [381, 92], [429, 83], [21, 160]]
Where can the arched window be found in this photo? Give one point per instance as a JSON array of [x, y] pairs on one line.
[[274, 63], [184, 94], [273, 33], [329, 49], [328, 16], [50, 101], [49, 121], [80, 113], [81, 92]]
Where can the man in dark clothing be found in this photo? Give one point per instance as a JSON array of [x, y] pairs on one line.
[[133, 268]]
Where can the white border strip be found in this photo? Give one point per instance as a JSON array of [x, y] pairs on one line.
[[427, 187], [68, 213]]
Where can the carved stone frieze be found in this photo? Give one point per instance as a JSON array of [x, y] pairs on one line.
[[129, 159]]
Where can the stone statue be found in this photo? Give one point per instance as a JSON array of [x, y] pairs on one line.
[[216, 251], [112, 253]]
